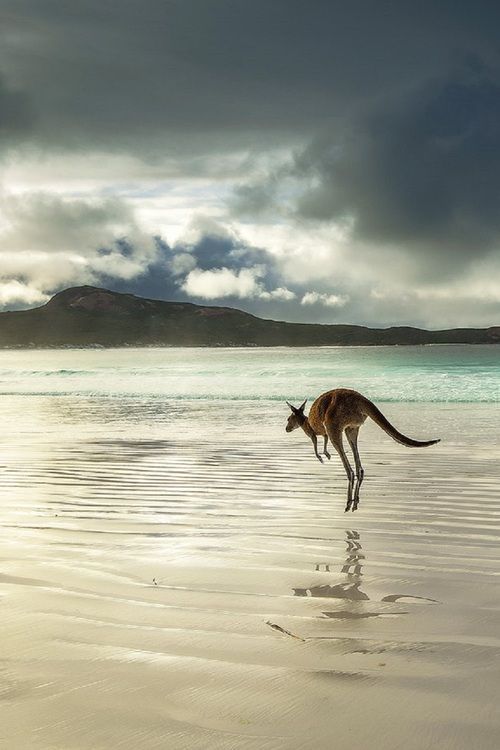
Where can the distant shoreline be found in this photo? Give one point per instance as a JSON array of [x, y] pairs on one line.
[[102, 347]]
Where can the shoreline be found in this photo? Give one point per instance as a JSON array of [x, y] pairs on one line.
[[244, 347]]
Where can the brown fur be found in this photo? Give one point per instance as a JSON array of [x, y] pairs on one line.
[[344, 411]]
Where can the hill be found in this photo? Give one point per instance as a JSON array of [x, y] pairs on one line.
[[87, 315]]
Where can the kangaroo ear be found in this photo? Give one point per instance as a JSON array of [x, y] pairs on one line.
[[302, 406], [291, 407]]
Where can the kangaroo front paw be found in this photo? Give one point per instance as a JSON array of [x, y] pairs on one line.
[[328, 455], [319, 459]]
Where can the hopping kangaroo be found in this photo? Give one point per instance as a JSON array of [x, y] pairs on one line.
[[339, 411]]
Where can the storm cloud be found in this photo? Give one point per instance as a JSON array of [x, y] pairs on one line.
[[422, 172], [321, 161], [16, 115], [130, 76]]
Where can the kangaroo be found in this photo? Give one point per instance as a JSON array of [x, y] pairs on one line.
[[338, 411]]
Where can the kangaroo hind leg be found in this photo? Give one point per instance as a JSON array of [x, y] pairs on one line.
[[336, 440], [352, 437], [325, 443]]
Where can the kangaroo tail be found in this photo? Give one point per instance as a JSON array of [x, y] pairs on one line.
[[377, 416]]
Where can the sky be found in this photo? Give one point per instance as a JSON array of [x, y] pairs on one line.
[[312, 160]]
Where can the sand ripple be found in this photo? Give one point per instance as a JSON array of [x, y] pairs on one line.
[[142, 559]]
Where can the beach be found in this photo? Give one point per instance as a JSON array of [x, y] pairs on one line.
[[180, 573]]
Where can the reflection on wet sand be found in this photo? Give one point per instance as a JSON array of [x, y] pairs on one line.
[[350, 589]]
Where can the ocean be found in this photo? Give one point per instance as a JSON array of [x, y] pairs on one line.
[[440, 374]]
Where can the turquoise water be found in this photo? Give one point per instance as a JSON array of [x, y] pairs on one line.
[[421, 374]]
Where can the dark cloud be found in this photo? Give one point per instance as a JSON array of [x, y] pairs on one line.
[[258, 199], [416, 173], [130, 75], [17, 117], [218, 251], [424, 171]]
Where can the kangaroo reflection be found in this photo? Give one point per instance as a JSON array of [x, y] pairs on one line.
[[350, 588], [352, 567]]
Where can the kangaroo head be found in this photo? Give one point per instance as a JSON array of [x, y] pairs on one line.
[[296, 418]]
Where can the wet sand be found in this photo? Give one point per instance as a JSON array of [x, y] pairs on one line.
[[145, 544]]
